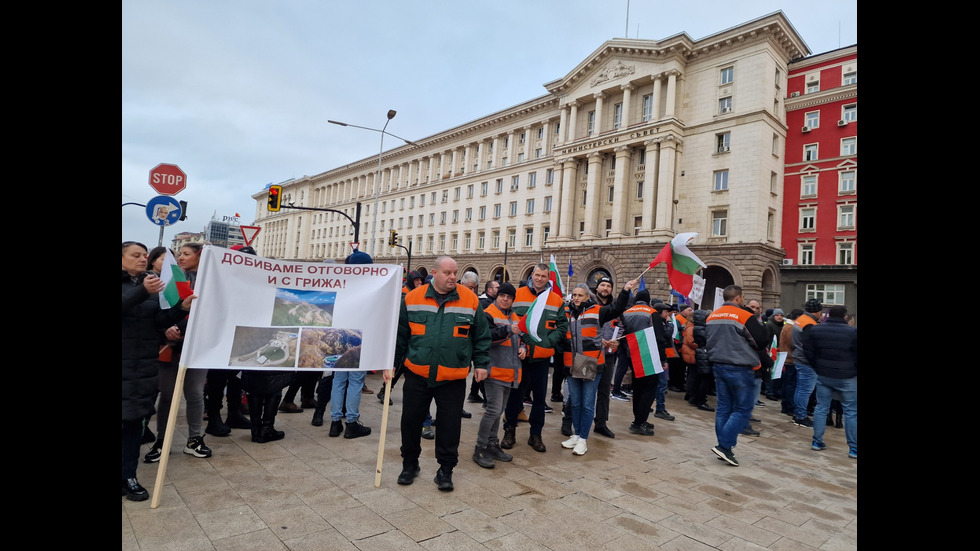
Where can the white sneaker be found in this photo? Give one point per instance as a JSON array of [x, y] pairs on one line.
[[570, 443], [580, 447]]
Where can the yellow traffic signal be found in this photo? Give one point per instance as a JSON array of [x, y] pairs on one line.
[[275, 198], [392, 238]]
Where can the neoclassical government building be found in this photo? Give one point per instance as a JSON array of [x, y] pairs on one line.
[[640, 141]]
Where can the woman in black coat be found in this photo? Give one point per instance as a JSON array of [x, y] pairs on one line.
[[143, 327]]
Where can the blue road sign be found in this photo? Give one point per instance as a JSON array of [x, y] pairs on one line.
[[163, 210]]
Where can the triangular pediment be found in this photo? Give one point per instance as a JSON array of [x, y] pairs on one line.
[[847, 163]]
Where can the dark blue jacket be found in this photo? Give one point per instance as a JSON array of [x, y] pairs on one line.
[[831, 348]]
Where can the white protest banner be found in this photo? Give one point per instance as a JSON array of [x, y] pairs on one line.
[[777, 369], [262, 313], [697, 289]]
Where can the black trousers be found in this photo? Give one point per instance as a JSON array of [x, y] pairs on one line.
[[214, 390], [602, 394], [132, 439], [644, 394], [417, 396]]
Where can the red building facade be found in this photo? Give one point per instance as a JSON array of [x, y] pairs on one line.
[[819, 229]]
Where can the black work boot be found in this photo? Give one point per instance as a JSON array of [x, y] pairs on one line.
[[356, 430], [510, 435], [482, 458], [566, 426], [269, 410], [444, 479], [237, 420], [216, 426], [495, 453], [255, 408]]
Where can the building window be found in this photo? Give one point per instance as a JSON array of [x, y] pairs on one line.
[[812, 119], [489, 164], [724, 142], [591, 123], [442, 218], [725, 105], [454, 240], [849, 113], [647, 107], [608, 226], [721, 180], [845, 217], [495, 240], [523, 137], [432, 242], [727, 75], [420, 220], [442, 242], [810, 152], [848, 182], [545, 233], [850, 78], [540, 132], [637, 224], [481, 241], [848, 146], [411, 202], [585, 195], [483, 212], [512, 238], [773, 180], [827, 293], [467, 241], [532, 178], [513, 208], [642, 159], [808, 219], [809, 186], [445, 195], [845, 253], [537, 153], [456, 194], [806, 254], [500, 185], [612, 194], [770, 223], [432, 219], [496, 210], [617, 115], [529, 237], [515, 183], [401, 204], [581, 229], [469, 214], [775, 145], [547, 203], [520, 157], [455, 216], [719, 223], [639, 189], [549, 177], [812, 86], [530, 206], [433, 197]]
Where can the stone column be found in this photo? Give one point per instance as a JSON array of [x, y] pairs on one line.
[[620, 193], [599, 103], [627, 104], [562, 125], [591, 195], [479, 156], [467, 158], [495, 154], [527, 142], [669, 150], [671, 94], [568, 185], [572, 117], [657, 91], [649, 181]]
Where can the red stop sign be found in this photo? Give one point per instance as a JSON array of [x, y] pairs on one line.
[[167, 179]]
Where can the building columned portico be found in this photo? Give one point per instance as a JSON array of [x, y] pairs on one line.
[[642, 140]]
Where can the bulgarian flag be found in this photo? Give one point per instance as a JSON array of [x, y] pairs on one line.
[[681, 262], [644, 353], [556, 284], [176, 287], [774, 349], [533, 321]]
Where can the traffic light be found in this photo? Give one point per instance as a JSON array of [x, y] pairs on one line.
[[392, 238], [275, 198], [183, 210]]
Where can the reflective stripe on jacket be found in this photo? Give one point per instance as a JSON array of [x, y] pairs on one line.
[[554, 308], [583, 335]]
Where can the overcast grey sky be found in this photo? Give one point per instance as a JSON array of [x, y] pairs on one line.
[[238, 92]]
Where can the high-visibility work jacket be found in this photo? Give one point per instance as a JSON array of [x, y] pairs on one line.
[[505, 364], [583, 334], [729, 341], [555, 322], [440, 342]]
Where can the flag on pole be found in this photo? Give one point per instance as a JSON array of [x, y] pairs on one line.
[[176, 287], [533, 321], [556, 284], [644, 353], [681, 262], [641, 286], [774, 349], [570, 273]]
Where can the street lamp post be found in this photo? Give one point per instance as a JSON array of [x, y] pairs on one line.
[[377, 179]]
